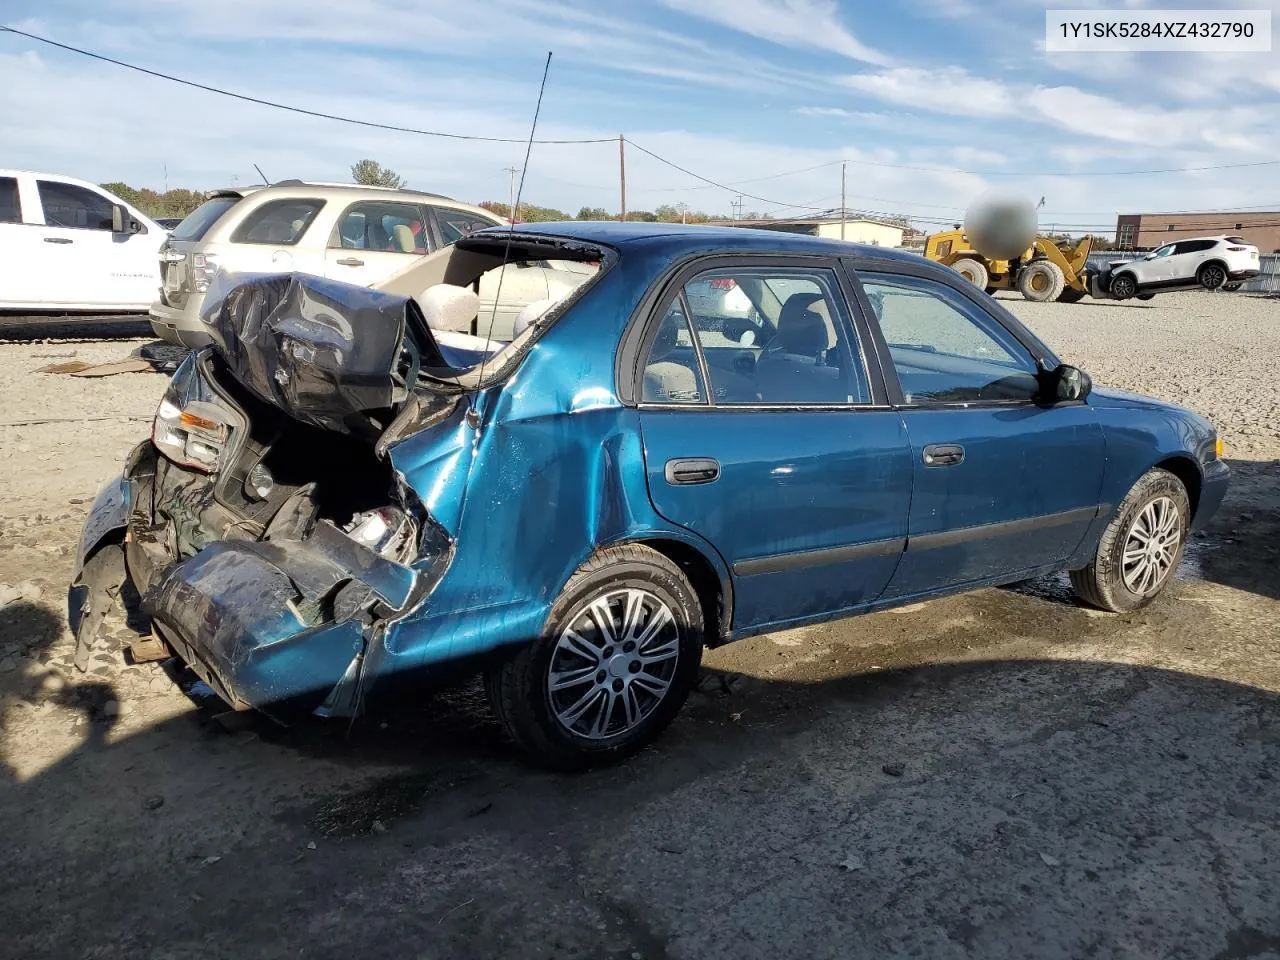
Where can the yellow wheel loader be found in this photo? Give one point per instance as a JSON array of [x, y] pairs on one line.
[[1045, 271]]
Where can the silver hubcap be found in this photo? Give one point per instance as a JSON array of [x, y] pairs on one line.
[[613, 664], [1151, 546]]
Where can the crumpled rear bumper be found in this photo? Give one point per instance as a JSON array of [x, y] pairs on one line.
[[288, 624]]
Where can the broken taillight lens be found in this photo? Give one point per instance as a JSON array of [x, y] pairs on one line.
[[192, 435]]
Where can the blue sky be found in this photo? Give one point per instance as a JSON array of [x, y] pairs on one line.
[[737, 90]]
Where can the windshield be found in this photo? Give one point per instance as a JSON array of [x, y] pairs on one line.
[[197, 223]]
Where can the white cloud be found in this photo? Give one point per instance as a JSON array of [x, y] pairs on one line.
[[812, 24], [951, 90], [824, 112]]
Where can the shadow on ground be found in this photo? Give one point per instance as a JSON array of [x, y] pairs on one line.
[[990, 808]]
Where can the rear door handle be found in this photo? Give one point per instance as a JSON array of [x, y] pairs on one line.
[[943, 454], [692, 470], [349, 262], [58, 240]]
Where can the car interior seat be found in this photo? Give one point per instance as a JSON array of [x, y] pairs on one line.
[[792, 369], [666, 378], [403, 237]]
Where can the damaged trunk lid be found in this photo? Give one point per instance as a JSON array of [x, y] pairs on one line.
[[329, 354]]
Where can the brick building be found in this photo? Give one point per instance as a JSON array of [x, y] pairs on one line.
[[1144, 231]]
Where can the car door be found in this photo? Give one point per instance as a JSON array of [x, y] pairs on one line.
[[77, 264], [1186, 259], [1002, 484], [372, 239], [1158, 266], [772, 439], [20, 246]]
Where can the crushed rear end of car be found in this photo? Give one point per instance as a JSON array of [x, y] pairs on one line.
[[266, 526]]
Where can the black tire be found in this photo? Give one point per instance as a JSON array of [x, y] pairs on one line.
[[1211, 275], [519, 686], [1233, 286], [1102, 583], [1070, 295], [975, 271], [1041, 281], [1146, 296], [1123, 286]]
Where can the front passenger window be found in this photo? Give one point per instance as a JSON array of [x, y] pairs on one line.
[[945, 348]]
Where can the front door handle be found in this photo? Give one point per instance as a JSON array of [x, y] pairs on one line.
[[349, 262], [943, 454], [692, 470], [58, 240]]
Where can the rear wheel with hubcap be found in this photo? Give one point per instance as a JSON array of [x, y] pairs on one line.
[[1139, 552], [1211, 276], [614, 664]]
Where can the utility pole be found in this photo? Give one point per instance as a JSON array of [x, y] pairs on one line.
[[842, 213], [737, 207], [511, 207], [622, 174], [684, 211]]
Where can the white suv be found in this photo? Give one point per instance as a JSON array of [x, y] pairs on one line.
[[1209, 262], [341, 231], [69, 245]]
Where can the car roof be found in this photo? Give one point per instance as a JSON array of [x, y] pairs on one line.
[[300, 189], [677, 236]]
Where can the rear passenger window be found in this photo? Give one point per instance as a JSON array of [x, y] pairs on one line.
[[672, 374], [768, 337], [390, 227], [66, 205], [281, 222], [10, 208]]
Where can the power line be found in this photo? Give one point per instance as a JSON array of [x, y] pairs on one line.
[[282, 106], [715, 183]]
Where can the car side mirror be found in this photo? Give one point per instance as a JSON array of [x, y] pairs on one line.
[[122, 220], [1065, 384]]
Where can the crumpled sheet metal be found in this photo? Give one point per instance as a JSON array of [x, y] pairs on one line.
[[324, 352]]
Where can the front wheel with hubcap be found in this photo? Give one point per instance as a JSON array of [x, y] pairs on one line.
[[1139, 551], [1123, 286], [614, 664]]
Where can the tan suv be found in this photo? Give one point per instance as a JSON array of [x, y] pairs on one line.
[[341, 231]]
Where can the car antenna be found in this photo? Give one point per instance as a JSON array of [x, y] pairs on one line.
[[262, 175], [511, 226]]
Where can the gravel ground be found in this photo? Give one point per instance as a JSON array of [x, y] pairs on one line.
[[1001, 774]]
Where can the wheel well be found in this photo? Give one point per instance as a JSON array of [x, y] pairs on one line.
[[1221, 263], [704, 579], [1186, 471]]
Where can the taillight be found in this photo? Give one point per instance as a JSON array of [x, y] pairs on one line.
[[203, 267], [723, 283], [191, 435]]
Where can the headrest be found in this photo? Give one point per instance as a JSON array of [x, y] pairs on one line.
[[449, 307], [801, 330], [529, 314]]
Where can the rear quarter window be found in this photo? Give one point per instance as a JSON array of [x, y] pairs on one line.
[[278, 222]]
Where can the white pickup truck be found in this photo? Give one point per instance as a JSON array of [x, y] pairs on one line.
[[68, 245]]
